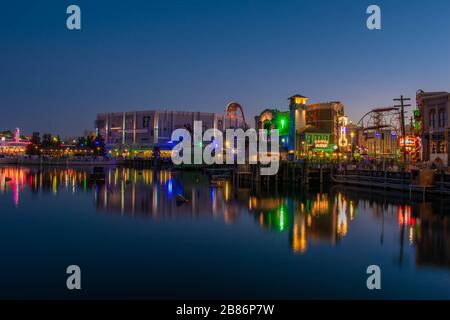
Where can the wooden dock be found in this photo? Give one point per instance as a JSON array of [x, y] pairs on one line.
[[289, 172], [403, 181]]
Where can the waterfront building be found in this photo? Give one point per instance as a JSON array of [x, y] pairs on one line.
[[434, 109], [13, 145], [306, 129], [320, 136], [381, 133], [381, 144], [139, 132], [275, 119]]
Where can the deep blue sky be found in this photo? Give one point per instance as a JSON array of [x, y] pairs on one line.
[[199, 55]]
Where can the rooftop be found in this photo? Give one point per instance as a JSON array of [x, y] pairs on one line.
[[298, 96]]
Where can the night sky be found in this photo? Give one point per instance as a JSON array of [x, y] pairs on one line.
[[199, 55]]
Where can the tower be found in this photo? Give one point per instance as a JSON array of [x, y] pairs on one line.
[[297, 107], [17, 136]]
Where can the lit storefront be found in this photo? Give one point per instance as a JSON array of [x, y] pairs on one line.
[[141, 153], [66, 151], [379, 144], [13, 149], [13, 146], [316, 145], [412, 146]]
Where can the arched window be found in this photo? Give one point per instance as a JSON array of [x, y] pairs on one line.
[[442, 118], [432, 118]]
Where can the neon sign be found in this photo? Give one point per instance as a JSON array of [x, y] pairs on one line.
[[343, 142], [410, 143], [321, 144]]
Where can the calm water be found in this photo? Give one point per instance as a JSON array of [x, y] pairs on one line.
[[132, 240]]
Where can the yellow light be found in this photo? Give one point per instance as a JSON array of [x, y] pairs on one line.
[[299, 100], [343, 139]]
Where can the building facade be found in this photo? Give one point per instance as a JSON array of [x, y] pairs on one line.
[[144, 130], [321, 134], [306, 129], [13, 144], [271, 119], [434, 109]]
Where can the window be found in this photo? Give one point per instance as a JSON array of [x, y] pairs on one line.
[[433, 147], [145, 122], [441, 118], [433, 118]]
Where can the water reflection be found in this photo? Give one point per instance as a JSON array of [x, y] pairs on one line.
[[308, 218]]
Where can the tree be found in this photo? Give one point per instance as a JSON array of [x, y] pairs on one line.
[[8, 134], [96, 144], [81, 142], [36, 138], [90, 142], [34, 148], [99, 145], [47, 140]]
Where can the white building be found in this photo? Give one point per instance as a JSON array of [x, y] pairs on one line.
[[146, 129]]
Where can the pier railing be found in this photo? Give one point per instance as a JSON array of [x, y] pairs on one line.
[[423, 181]]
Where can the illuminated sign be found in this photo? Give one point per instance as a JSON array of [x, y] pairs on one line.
[[318, 142], [343, 142], [282, 123], [410, 143], [321, 144]]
